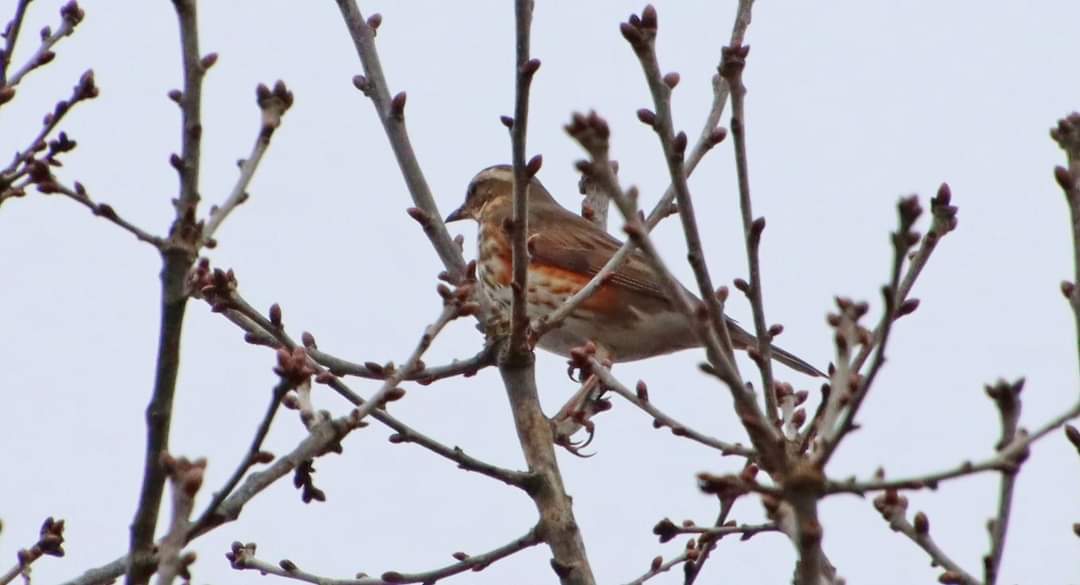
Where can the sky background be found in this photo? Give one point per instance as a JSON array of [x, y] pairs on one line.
[[851, 105]]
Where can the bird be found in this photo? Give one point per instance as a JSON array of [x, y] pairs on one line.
[[629, 317]]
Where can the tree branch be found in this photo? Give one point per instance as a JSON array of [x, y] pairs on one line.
[[1067, 136], [178, 257], [391, 113], [272, 104], [242, 557], [660, 419]]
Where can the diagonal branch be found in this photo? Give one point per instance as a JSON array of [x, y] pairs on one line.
[[660, 419], [710, 136], [272, 104], [641, 34], [391, 113]]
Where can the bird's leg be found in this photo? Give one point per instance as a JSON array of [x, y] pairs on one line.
[[577, 413]]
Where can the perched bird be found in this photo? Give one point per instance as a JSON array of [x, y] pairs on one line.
[[629, 317]]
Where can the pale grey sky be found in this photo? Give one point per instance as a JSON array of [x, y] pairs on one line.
[[851, 104]]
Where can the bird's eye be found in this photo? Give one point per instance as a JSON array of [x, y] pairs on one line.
[[471, 192]]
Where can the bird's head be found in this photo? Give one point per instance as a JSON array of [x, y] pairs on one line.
[[494, 187]]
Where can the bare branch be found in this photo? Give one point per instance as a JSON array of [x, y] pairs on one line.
[[220, 292], [710, 136], [242, 557], [392, 115], [592, 133], [893, 509], [1067, 136], [50, 543], [660, 419], [11, 36], [70, 17], [253, 455], [273, 104], [525, 69], [641, 34], [185, 479], [104, 210], [178, 258], [426, 375], [731, 69]]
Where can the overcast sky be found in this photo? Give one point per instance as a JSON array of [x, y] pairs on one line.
[[851, 105]]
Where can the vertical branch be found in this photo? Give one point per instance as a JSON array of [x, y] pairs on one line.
[[731, 68], [1067, 135], [11, 35], [525, 68], [557, 525], [1006, 397], [391, 113], [178, 256]]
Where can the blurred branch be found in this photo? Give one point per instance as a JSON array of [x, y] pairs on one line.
[[22, 164], [640, 398], [185, 479], [1006, 397], [425, 375], [833, 422], [50, 543], [70, 17], [242, 557], [391, 112], [106, 211], [178, 256], [1067, 136], [11, 36], [273, 104], [944, 221]]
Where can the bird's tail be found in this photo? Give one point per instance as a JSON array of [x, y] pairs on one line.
[[792, 361], [742, 339]]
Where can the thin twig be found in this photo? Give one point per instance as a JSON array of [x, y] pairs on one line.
[[106, 211], [84, 89], [391, 113], [272, 104], [1067, 136], [894, 511], [185, 479], [642, 39], [592, 133], [250, 458], [11, 35], [663, 420], [178, 258], [426, 375], [242, 314], [50, 542], [731, 69], [70, 16], [243, 557], [709, 137]]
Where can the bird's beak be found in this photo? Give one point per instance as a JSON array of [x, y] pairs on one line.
[[456, 215]]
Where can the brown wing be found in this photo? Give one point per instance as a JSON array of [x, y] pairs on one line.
[[570, 242]]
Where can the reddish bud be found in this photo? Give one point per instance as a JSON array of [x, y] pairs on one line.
[[646, 116], [671, 80]]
